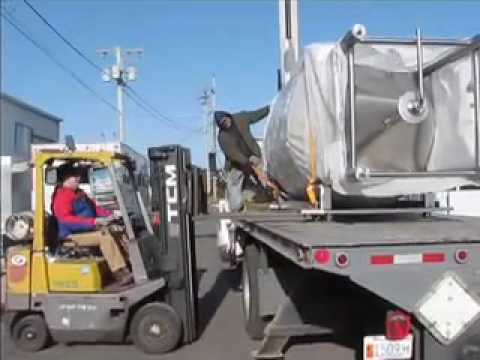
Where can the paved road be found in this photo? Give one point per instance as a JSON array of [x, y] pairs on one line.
[[221, 326]]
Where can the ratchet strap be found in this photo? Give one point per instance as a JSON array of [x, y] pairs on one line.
[[312, 188]]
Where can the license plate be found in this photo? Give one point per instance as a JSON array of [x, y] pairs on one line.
[[380, 348]]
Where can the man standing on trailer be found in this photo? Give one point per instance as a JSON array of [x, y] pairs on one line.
[[242, 152]]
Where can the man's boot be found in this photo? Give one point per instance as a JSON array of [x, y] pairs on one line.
[[123, 277]]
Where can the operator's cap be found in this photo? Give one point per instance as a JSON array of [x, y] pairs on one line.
[[68, 169], [220, 115]]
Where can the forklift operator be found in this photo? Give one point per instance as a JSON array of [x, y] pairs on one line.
[[82, 222]]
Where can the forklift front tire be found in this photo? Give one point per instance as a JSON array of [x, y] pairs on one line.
[[156, 328], [30, 333]]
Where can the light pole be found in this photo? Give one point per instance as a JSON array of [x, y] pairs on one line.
[[121, 75]]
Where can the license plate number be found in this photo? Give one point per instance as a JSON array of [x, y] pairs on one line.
[[380, 348]]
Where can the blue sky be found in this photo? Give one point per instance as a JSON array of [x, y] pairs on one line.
[[185, 42]]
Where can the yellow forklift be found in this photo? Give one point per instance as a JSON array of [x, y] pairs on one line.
[[62, 293]]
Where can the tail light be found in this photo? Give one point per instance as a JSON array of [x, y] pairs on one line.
[[342, 260], [398, 325], [322, 256], [461, 256]]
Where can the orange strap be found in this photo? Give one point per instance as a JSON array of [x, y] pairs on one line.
[[312, 188]]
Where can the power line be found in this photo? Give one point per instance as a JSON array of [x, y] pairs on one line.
[[189, 135], [141, 102], [47, 53], [65, 40], [74, 48], [147, 110], [133, 95]]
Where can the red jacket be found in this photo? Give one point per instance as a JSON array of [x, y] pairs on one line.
[[64, 210]]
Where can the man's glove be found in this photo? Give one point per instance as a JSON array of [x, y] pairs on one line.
[[117, 214], [267, 183], [254, 161]]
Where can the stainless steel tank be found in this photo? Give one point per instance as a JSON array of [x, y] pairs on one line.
[[378, 117]]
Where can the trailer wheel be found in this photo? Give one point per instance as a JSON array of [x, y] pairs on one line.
[[156, 328], [254, 323], [30, 333]]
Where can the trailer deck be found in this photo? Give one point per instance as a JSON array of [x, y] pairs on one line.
[[381, 254], [368, 231]]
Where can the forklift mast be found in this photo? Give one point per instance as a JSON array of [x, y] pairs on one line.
[[173, 193]]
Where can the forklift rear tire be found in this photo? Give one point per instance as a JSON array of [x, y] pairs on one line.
[[30, 333], [254, 323], [156, 328]]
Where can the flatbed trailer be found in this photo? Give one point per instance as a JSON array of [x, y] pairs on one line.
[[354, 274]]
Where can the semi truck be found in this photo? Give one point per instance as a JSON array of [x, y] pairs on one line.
[[403, 284], [373, 253]]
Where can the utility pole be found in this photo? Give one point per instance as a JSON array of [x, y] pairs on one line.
[[121, 75], [212, 106], [204, 100], [213, 152], [208, 101]]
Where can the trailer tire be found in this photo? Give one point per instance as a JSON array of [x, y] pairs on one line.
[[156, 328], [30, 333], [254, 323]]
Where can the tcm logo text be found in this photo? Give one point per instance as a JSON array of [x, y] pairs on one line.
[[172, 191]]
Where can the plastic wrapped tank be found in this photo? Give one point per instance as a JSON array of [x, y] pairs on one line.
[[378, 117]]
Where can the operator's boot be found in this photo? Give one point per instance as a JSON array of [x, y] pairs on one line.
[[123, 277]]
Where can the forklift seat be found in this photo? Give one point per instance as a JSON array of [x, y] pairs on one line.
[[73, 268], [51, 234], [65, 248]]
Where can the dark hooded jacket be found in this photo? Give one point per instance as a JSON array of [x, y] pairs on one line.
[[237, 142]]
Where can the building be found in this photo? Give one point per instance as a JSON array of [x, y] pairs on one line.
[[21, 125]]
